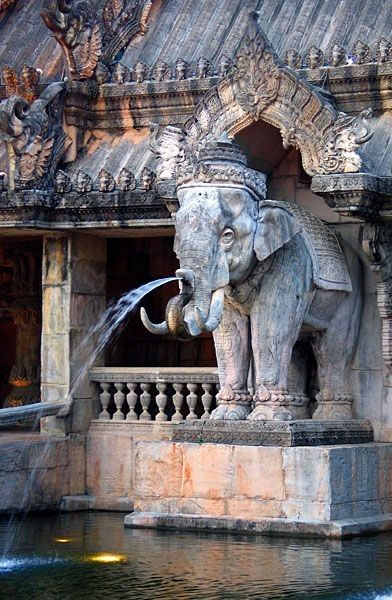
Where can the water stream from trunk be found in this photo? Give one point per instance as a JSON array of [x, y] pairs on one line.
[[99, 335]]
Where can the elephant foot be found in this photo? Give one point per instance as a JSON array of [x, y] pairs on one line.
[[279, 405], [334, 408], [231, 412], [270, 413], [238, 412], [234, 405], [220, 413]]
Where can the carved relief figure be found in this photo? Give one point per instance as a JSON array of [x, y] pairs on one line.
[[315, 58], [181, 69], [126, 180], [30, 134], [259, 274]]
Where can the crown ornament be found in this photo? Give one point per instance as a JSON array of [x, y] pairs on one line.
[[221, 163]]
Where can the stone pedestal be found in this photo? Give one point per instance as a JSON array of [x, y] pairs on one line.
[[332, 491]]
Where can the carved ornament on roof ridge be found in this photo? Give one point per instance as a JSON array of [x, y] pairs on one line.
[[89, 35], [33, 136]]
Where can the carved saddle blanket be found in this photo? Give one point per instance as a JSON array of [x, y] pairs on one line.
[[329, 264]]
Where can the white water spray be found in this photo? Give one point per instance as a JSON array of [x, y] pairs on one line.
[[98, 336]]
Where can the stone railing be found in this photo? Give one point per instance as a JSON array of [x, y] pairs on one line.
[[21, 414], [155, 394]]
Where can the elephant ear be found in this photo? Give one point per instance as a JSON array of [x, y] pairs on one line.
[[275, 228]]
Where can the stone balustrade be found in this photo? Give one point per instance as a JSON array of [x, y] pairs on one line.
[[155, 394]]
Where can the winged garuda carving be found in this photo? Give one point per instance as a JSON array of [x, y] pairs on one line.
[[34, 140], [89, 34], [76, 27]]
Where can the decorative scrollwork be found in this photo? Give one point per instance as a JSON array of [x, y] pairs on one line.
[[256, 76]]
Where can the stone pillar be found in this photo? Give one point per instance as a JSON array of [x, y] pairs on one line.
[[74, 296]]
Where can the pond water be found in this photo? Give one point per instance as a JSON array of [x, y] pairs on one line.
[[90, 556]]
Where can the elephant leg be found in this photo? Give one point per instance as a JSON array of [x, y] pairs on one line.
[[232, 347], [334, 349], [276, 320]]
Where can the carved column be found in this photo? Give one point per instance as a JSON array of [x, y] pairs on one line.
[[74, 297]]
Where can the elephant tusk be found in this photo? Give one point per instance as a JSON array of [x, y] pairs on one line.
[[215, 313], [193, 328], [161, 329]]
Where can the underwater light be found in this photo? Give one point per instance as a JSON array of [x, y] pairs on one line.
[[105, 557], [63, 540]]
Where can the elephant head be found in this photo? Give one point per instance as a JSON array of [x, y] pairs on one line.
[[222, 231]]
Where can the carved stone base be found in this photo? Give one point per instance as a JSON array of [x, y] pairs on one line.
[[273, 433], [282, 490]]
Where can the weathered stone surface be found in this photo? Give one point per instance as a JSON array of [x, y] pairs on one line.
[[257, 475], [265, 526], [36, 472], [274, 433], [304, 484]]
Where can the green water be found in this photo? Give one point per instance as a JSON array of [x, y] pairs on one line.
[[50, 558]]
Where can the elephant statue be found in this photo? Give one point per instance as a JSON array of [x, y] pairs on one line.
[[260, 275]]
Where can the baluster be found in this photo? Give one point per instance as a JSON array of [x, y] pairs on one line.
[[161, 401], [145, 399], [119, 398], [191, 401], [104, 399], [132, 399], [178, 399], [206, 400]]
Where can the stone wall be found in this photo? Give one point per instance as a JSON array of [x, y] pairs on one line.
[[36, 472], [321, 484]]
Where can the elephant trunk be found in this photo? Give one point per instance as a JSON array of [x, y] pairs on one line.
[[191, 312]]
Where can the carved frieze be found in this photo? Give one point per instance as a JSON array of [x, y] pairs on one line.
[[260, 87], [337, 55], [293, 59], [82, 183], [62, 182], [126, 180], [76, 27], [384, 50], [314, 58], [106, 182], [361, 53]]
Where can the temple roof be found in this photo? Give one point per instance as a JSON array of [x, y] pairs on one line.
[[190, 29], [193, 28]]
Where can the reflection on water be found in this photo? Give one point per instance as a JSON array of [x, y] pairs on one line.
[[99, 559]]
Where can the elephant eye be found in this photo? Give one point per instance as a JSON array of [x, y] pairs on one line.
[[227, 238]]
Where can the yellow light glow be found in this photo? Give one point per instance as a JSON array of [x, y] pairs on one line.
[[63, 540], [105, 557]]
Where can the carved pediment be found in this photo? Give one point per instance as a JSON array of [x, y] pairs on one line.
[[260, 86]]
